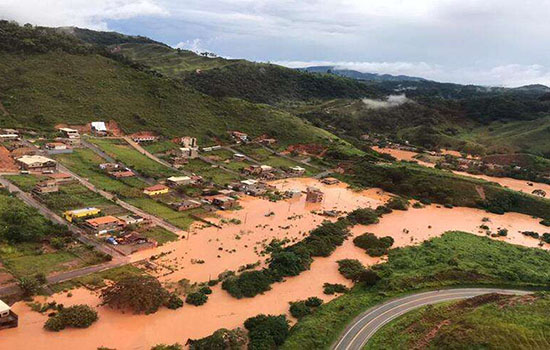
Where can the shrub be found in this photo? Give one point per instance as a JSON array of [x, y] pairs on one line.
[[29, 286], [175, 346], [363, 216], [174, 302], [205, 290], [350, 268], [531, 234], [545, 222], [266, 331], [373, 245], [398, 203], [503, 232], [137, 293], [368, 277], [289, 263], [331, 288], [314, 302], [77, 316], [248, 284], [222, 339], [299, 309], [196, 298]]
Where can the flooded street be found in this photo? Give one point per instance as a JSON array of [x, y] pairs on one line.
[[261, 221]]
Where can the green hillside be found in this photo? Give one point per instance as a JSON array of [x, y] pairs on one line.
[[486, 322], [77, 84]]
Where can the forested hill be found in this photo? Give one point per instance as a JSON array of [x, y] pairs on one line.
[[48, 77]]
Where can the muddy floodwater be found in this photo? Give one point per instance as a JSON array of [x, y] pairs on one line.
[[514, 184], [208, 251]]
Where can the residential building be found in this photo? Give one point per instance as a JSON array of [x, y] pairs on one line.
[[144, 136], [8, 319], [99, 128], [104, 224], [224, 202], [175, 181], [314, 195], [293, 193], [62, 178], [131, 219], [55, 146], [36, 163], [297, 170], [267, 141], [156, 190], [121, 174], [257, 190], [47, 186], [330, 181], [189, 152], [239, 137], [70, 215], [187, 141], [186, 204], [239, 156], [109, 166], [70, 133]]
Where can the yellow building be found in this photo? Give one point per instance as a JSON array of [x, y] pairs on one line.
[[70, 215], [156, 190]]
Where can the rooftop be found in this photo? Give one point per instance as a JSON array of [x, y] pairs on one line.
[[102, 220], [83, 210], [157, 187], [34, 159], [4, 307], [178, 178]]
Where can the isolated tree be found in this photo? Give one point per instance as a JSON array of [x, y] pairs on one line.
[[141, 294]]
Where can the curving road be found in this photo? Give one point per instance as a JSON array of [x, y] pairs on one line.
[[363, 327]]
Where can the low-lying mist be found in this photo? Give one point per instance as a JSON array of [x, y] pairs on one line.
[[390, 101]]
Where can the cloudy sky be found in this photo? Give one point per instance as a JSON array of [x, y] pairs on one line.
[[489, 42]]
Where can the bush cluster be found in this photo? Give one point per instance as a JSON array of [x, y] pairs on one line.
[[196, 298], [302, 308], [77, 316], [350, 268], [364, 216], [332, 288], [222, 339], [373, 245], [266, 331], [398, 203], [141, 294]]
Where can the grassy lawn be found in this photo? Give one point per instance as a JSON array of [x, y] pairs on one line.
[[486, 322], [254, 151], [85, 163], [208, 172], [25, 182], [160, 235], [180, 219], [222, 154], [97, 279], [455, 259], [160, 147], [74, 196], [25, 259], [123, 152]]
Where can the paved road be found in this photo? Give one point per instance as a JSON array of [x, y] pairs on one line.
[[365, 325]]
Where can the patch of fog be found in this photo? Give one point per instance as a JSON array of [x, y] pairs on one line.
[[390, 101]]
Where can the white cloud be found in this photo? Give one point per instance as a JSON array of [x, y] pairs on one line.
[[82, 13], [388, 102]]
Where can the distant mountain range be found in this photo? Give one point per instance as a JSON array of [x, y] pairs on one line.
[[349, 73]]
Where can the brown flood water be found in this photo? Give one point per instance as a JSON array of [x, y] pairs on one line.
[[140, 332], [514, 184]]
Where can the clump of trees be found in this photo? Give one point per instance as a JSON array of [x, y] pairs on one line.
[[302, 308], [140, 294], [363, 216], [266, 331], [30, 285], [398, 203], [350, 268], [174, 302], [196, 298], [77, 316], [373, 245], [332, 288], [288, 261], [222, 339], [175, 346]]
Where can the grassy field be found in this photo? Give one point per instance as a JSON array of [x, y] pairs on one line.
[[487, 322], [85, 163], [27, 258], [74, 196], [208, 172], [160, 146], [160, 235], [25, 182], [97, 279], [266, 157], [123, 152], [454, 259], [180, 219]]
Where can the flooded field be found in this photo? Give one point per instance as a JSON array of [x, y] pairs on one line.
[[517, 185], [260, 221]]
